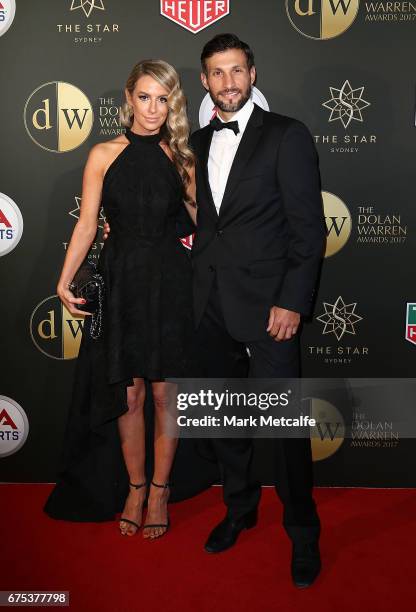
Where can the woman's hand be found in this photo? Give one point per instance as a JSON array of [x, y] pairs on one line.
[[69, 301]]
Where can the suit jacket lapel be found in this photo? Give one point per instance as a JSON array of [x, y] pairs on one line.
[[203, 158], [245, 150]]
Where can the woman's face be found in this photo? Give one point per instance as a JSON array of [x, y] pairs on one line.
[[149, 100]]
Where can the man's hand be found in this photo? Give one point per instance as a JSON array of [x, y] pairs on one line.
[[106, 230], [283, 324]]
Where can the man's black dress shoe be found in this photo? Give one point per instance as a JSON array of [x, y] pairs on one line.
[[225, 534], [306, 563]]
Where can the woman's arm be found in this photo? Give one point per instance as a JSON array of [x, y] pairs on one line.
[[86, 227]]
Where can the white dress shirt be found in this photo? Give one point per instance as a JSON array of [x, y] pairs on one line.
[[223, 148]]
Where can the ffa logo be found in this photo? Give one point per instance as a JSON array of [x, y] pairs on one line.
[[411, 323], [194, 15]]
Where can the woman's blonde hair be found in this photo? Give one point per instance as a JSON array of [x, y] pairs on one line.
[[175, 130]]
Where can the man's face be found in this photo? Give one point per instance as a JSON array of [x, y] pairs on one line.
[[228, 79]]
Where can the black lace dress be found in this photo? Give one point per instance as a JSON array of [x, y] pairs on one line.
[[147, 331]]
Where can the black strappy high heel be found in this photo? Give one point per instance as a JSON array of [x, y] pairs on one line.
[[163, 525], [126, 520]]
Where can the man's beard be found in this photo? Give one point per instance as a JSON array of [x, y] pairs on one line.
[[231, 108]]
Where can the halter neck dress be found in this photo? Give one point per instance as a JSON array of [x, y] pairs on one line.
[[146, 332]]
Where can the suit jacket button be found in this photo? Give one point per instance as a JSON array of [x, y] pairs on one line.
[[211, 268], [219, 232]]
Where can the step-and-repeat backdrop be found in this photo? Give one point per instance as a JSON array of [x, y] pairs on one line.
[[344, 67]]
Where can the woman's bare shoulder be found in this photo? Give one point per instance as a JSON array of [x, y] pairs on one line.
[[102, 154], [109, 147]]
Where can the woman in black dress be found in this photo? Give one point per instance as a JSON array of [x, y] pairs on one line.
[[144, 180]]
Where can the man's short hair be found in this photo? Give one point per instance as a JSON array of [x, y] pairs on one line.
[[223, 42]]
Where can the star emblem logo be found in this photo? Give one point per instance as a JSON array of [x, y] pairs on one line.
[[339, 318], [87, 6], [75, 213], [346, 104]]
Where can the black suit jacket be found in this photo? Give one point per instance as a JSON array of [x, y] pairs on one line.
[[267, 242]]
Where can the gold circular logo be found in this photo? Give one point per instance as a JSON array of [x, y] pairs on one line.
[[58, 117], [338, 223], [329, 432], [321, 19], [54, 330]]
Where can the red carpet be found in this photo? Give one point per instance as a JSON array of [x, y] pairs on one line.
[[368, 551]]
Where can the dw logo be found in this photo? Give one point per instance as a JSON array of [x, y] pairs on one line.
[[338, 223], [58, 117], [321, 19], [54, 330], [329, 432]]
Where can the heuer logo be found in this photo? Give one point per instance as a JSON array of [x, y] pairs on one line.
[[194, 15], [411, 322]]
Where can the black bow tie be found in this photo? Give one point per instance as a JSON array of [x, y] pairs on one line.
[[218, 125]]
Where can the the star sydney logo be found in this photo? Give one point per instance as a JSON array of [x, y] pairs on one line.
[[87, 6], [346, 104], [339, 318], [75, 212]]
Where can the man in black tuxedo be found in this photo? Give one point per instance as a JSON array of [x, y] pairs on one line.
[[256, 255]]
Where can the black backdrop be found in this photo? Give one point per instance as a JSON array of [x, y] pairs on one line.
[[356, 93]]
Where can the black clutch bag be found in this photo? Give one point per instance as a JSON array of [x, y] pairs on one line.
[[89, 285]]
